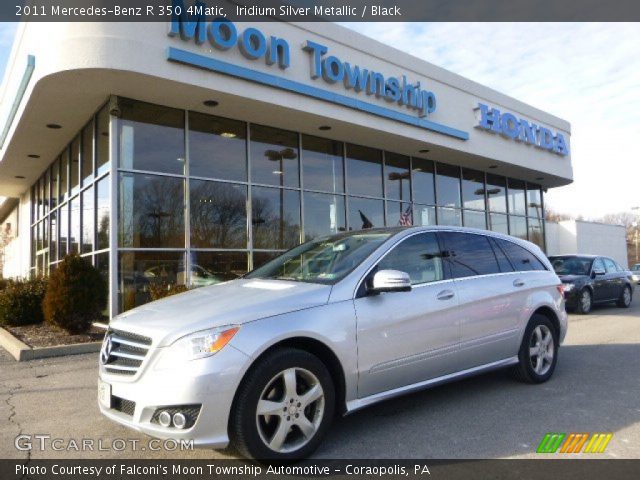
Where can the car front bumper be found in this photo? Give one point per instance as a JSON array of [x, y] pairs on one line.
[[210, 382]]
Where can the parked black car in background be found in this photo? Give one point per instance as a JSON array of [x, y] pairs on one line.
[[589, 279]]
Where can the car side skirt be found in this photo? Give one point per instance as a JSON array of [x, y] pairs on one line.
[[359, 403]]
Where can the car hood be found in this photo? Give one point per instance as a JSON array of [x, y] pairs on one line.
[[572, 278], [230, 303]]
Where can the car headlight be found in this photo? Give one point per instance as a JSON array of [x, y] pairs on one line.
[[568, 287], [635, 277], [196, 345]]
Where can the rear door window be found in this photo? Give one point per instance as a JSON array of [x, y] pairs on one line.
[[468, 254], [521, 258]]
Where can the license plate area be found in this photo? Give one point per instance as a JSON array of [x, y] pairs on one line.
[[104, 394]]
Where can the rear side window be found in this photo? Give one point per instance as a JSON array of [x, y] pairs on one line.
[[521, 258], [468, 254], [503, 261]]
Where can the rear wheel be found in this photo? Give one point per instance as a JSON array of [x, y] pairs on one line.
[[585, 301], [538, 353], [625, 298], [283, 408]]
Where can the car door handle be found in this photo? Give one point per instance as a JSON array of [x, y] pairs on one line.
[[518, 283], [445, 295]]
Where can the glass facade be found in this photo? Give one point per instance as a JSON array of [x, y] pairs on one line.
[[71, 203], [200, 199]]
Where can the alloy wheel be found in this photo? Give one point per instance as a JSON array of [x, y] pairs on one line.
[[585, 301], [626, 296], [290, 410], [541, 349]]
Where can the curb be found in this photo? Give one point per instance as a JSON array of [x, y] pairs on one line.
[[22, 352]]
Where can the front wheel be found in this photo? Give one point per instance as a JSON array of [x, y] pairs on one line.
[[538, 353], [625, 299], [283, 408]]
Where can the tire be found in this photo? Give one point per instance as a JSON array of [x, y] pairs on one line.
[[539, 332], [583, 306], [625, 297], [296, 395]]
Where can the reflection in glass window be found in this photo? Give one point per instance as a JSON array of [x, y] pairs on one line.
[[74, 165], [518, 227], [88, 220], [151, 211], [497, 193], [469, 254], [399, 214], [210, 268], [87, 153], [45, 187], [103, 210], [276, 218], [218, 214], [53, 225], [74, 233], [151, 137], [274, 156], [397, 176], [139, 272], [364, 171], [322, 164], [449, 216], [260, 258], [534, 201], [448, 186], [473, 189], [536, 231], [64, 176], [55, 172], [102, 141], [419, 256], [365, 213], [323, 215], [101, 262], [423, 181], [217, 147], [499, 222], [521, 258], [517, 202], [474, 219], [424, 215], [63, 228]]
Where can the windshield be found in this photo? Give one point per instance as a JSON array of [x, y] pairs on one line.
[[571, 265], [326, 260]]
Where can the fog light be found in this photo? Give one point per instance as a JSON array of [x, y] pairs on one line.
[[179, 420], [164, 418]]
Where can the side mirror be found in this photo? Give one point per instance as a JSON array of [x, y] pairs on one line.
[[598, 271], [390, 281]]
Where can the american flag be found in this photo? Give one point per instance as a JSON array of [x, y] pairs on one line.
[[405, 218]]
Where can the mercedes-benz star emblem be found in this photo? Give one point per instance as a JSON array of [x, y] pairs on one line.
[[105, 351]]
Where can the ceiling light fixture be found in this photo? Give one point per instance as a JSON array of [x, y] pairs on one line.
[[54, 126], [228, 135], [211, 103]]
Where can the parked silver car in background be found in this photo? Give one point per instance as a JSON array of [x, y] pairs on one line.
[[329, 327]]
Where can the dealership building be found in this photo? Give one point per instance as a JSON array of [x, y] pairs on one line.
[[187, 153]]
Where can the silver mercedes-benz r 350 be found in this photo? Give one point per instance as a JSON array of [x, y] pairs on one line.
[[338, 323]]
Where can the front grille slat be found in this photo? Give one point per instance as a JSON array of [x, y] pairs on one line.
[[127, 352], [127, 355]]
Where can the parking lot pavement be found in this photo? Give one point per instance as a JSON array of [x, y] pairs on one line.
[[596, 388]]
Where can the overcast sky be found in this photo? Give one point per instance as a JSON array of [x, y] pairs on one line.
[[588, 74]]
